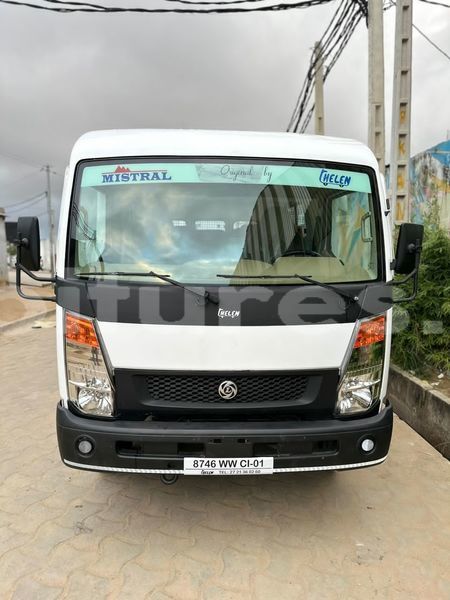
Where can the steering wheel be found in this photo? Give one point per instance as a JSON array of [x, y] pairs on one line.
[[299, 253]]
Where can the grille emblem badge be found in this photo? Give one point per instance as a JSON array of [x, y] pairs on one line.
[[228, 390]]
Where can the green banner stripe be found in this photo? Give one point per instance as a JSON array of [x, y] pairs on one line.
[[256, 174]]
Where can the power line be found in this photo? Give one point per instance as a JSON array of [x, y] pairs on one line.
[[19, 159], [188, 2], [329, 68], [29, 201], [333, 40], [438, 48], [229, 3], [431, 42], [299, 120], [345, 38], [338, 32], [325, 40], [40, 214], [17, 181], [225, 9], [436, 3]]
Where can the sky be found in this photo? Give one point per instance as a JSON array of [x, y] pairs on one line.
[[63, 75]]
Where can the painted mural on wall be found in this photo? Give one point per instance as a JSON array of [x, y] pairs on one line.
[[429, 177]]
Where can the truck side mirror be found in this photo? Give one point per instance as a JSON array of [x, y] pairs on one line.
[[409, 246], [407, 257], [29, 243]]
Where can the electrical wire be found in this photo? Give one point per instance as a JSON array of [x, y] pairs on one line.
[[19, 159], [333, 42], [436, 3], [17, 181], [188, 2], [296, 122], [327, 72], [430, 41], [8, 216], [447, 56], [209, 2], [330, 32], [327, 47], [27, 202], [226, 9], [345, 37]]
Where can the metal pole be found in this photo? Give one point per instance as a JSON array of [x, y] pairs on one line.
[[401, 112], [3, 246], [377, 141], [51, 234], [319, 117]]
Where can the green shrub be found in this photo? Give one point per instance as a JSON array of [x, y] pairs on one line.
[[425, 342]]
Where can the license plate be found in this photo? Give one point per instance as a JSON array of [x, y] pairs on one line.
[[228, 466]]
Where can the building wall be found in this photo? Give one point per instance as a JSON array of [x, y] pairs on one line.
[[45, 254], [429, 177]]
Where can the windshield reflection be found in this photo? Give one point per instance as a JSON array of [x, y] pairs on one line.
[[193, 231]]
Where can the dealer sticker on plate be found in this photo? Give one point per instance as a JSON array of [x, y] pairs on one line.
[[228, 466]]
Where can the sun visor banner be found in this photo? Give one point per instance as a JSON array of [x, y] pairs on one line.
[[256, 174]]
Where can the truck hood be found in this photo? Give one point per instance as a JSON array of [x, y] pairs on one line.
[[199, 348]]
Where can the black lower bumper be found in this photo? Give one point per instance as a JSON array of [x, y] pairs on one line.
[[158, 447]]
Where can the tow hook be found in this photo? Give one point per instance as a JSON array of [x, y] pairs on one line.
[[168, 478]]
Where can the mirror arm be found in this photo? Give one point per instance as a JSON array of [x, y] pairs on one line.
[[407, 278], [35, 277], [415, 275], [19, 269], [414, 291]]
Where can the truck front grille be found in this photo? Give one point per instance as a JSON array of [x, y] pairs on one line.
[[172, 389], [195, 394]]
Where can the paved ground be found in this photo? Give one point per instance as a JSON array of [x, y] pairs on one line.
[[377, 533], [12, 307]]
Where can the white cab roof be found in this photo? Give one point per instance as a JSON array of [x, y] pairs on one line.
[[184, 142]]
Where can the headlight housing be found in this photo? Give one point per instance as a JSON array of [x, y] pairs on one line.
[[360, 386], [89, 385]]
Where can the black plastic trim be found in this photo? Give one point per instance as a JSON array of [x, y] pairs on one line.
[[133, 396], [263, 305], [225, 439]]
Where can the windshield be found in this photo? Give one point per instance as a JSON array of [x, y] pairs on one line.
[[194, 220]]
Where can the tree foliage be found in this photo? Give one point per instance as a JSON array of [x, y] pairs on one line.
[[425, 340]]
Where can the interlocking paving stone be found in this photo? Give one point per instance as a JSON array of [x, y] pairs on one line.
[[381, 532]]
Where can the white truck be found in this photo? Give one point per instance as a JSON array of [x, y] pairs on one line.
[[223, 303]]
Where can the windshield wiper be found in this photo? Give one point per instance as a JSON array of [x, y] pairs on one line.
[[205, 295], [306, 278]]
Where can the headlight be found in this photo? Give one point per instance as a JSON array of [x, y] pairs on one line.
[[361, 384], [89, 385]]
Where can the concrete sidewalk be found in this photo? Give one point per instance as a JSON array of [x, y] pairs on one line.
[[13, 307], [378, 533]]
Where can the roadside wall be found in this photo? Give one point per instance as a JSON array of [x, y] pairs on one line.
[[425, 409]]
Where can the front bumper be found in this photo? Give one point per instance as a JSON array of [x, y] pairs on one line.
[[159, 447]]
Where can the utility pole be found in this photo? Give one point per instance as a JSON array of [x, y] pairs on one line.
[[319, 118], [51, 228], [377, 141], [401, 112]]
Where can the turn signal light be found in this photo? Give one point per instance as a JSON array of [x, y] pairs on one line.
[[370, 332], [361, 381], [80, 331], [90, 388]]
